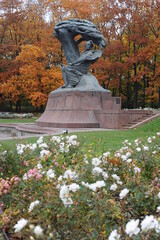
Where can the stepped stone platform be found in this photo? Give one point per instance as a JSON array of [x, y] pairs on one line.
[[70, 108], [143, 119]]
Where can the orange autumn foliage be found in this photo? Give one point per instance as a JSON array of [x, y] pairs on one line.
[[30, 55], [37, 78]]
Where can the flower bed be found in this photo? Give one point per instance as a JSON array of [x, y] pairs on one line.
[[59, 189], [8, 115]]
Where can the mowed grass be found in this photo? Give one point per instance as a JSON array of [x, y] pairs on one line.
[[104, 140], [18, 120], [113, 140]]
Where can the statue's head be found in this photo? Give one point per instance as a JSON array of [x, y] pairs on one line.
[[88, 45]]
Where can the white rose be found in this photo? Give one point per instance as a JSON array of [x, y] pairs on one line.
[[20, 225], [113, 187], [123, 193], [38, 231], [132, 227]]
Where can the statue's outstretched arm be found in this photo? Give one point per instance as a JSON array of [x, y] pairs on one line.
[[88, 56]]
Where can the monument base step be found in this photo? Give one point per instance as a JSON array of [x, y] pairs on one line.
[[67, 125]]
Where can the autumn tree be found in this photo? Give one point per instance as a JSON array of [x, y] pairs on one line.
[[33, 30], [30, 55]]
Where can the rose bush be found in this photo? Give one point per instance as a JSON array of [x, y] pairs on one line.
[[59, 189]]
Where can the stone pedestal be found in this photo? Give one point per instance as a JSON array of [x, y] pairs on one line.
[[81, 109], [86, 106]]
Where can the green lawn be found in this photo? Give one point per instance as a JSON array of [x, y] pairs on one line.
[[18, 120], [107, 140], [113, 140]]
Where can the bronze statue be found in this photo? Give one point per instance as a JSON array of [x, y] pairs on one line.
[[78, 64]]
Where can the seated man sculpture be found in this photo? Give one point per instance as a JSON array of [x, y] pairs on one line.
[[73, 72], [78, 65]]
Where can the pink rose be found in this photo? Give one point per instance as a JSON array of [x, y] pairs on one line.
[[16, 179], [25, 163], [34, 170], [7, 186], [1, 205], [38, 176]]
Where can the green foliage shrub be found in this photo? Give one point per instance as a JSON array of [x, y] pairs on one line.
[[60, 189]]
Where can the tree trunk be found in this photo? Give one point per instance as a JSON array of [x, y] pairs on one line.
[[120, 79], [18, 106], [11, 105], [154, 72], [113, 92], [41, 108], [103, 85], [128, 92], [135, 103], [144, 89], [135, 95], [120, 85]]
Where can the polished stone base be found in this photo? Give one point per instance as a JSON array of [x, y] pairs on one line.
[[81, 109], [89, 108]]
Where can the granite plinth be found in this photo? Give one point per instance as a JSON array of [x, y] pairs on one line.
[[80, 109]]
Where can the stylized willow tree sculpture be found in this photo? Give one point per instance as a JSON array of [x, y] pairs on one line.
[[78, 64]]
